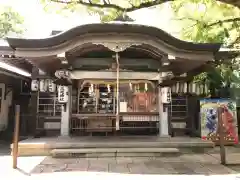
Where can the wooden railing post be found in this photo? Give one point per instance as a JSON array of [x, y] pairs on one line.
[[16, 136], [221, 135]]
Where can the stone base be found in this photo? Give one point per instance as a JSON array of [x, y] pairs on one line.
[[164, 136], [115, 152], [44, 146]]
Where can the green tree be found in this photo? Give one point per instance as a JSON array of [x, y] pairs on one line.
[[208, 21], [211, 22], [223, 16], [125, 5], [10, 22], [201, 21]]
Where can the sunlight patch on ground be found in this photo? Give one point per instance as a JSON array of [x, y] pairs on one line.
[[111, 176], [25, 164]]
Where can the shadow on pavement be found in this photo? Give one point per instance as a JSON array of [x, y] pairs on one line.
[[5, 148]]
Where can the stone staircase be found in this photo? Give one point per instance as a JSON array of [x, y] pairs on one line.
[[62, 147], [114, 152]]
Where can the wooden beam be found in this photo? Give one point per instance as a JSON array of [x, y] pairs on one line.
[[17, 76], [78, 62], [189, 77], [172, 81], [180, 67], [113, 75]]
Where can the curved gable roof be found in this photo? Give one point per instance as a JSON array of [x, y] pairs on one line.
[[110, 28]]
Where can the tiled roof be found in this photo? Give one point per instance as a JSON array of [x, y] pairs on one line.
[[110, 28]]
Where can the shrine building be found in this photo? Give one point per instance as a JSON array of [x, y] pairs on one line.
[[111, 79]]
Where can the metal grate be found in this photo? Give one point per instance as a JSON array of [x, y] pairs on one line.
[[48, 111], [97, 105], [178, 112], [89, 124], [106, 124], [48, 105]]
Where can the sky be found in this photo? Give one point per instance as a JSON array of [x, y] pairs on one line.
[[39, 23]]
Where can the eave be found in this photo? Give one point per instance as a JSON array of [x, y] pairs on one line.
[[105, 28]]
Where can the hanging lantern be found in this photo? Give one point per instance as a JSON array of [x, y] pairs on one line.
[[146, 86], [197, 89], [166, 95], [206, 89], [190, 87], [63, 77], [34, 85], [177, 87], [43, 85], [51, 86], [185, 89], [91, 89], [130, 86], [109, 88], [194, 88], [181, 87], [169, 95], [62, 94], [138, 87], [201, 89], [62, 73], [173, 88]]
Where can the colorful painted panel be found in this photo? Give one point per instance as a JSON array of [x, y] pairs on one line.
[[209, 120]]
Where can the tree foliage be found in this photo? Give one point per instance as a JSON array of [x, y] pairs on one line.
[[126, 5], [109, 9], [209, 22], [202, 21], [10, 22]]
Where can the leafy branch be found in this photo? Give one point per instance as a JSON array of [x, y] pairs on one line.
[[220, 22], [104, 4], [10, 22]]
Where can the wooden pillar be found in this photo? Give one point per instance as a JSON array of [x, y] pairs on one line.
[[16, 136], [221, 115], [32, 123], [160, 107]]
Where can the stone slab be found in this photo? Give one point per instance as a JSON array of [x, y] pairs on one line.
[[43, 146], [116, 150]]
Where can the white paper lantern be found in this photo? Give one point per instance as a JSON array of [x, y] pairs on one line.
[[177, 87], [166, 95], [206, 89], [62, 94], [51, 86], [185, 87], [173, 88], [34, 85], [194, 88], [43, 85]]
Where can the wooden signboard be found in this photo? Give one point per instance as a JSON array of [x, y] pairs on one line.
[[210, 120]]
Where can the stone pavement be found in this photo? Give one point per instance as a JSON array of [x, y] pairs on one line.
[[185, 164], [197, 165]]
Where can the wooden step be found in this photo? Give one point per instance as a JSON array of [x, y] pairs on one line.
[[115, 152]]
